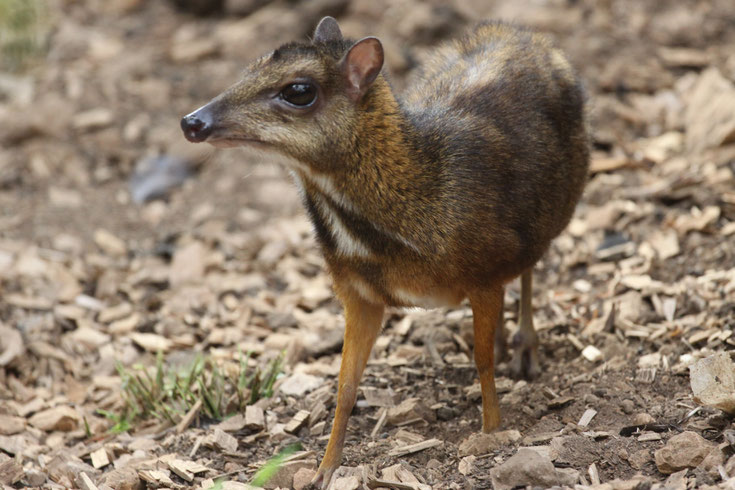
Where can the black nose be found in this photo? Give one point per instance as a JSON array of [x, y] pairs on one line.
[[197, 126]]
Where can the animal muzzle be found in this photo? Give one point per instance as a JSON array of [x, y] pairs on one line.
[[198, 125]]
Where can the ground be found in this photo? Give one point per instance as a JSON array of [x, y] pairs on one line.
[[640, 285]]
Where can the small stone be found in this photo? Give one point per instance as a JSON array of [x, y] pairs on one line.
[[713, 382], [643, 419], [627, 406], [528, 467], [284, 476], [10, 425], [409, 410], [122, 479], [61, 418], [11, 344], [712, 461], [685, 450], [221, 440], [481, 443], [254, 418], [466, 465], [303, 477], [708, 117], [234, 423], [93, 119], [677, 481], [592, 353], [109, 243], [299, 384], [346, 483], [639, 459], [187, 265]]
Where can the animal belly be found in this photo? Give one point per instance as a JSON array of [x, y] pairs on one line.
[[426, 298]]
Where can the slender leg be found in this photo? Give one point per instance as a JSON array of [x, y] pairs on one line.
[[501, 343], [485, 312], [525, 362], [362, 324]]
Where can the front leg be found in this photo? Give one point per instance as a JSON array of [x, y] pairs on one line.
[[362, 324], [486, 308]]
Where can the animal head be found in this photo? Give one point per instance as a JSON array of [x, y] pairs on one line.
[[303, 99]]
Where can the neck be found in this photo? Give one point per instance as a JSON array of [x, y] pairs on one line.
[[383, 180]]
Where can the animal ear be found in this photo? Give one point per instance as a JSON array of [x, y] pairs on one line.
[[361, 66], [327, 30]]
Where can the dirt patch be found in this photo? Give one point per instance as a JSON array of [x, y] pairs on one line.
[[640, 285]]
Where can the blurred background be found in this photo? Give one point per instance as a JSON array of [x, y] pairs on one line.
[[119, 239]]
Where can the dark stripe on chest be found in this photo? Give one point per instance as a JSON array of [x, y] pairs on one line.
[[362, 230], [323, 232]]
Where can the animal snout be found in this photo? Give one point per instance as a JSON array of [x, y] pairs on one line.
[[197, 126]]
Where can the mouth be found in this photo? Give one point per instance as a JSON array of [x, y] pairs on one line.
[[237, 142]]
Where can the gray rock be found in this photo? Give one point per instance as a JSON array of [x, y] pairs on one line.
[[529, 468], [155, 177], [685, 450], [480, 443]]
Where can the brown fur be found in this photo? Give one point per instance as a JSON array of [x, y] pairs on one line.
[[444, 193]]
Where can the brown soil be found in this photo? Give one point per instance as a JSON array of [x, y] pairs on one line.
[[662, 183]]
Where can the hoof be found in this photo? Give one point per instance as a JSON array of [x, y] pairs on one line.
[[321, 480], [525, 363]]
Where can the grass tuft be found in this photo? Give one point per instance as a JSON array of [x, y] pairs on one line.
[[271, 467], [21, 32], [167, 393]]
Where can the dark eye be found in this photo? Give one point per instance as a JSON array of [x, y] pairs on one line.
[[299, 94]]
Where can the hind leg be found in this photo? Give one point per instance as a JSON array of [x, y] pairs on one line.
[[501, 343], [525, 361]]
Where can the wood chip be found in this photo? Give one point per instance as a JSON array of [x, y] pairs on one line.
[[592, 353], [99, 458], [254, 418], [561, 401], [297, 422], [649, 436], [186, 420], [594, 474], [414, 448], [112, 313], [587, 417], [85, 482], [221, 440], [156, 478], [186, 469], [151, 342], [608, 164], [382, 418], [376, 483], [109, 243]]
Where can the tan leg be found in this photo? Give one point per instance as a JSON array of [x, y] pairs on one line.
[[525, 362], [501, 343], [362, 324], [486, 307]]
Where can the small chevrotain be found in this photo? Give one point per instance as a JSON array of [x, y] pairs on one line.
[[444, 193]]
